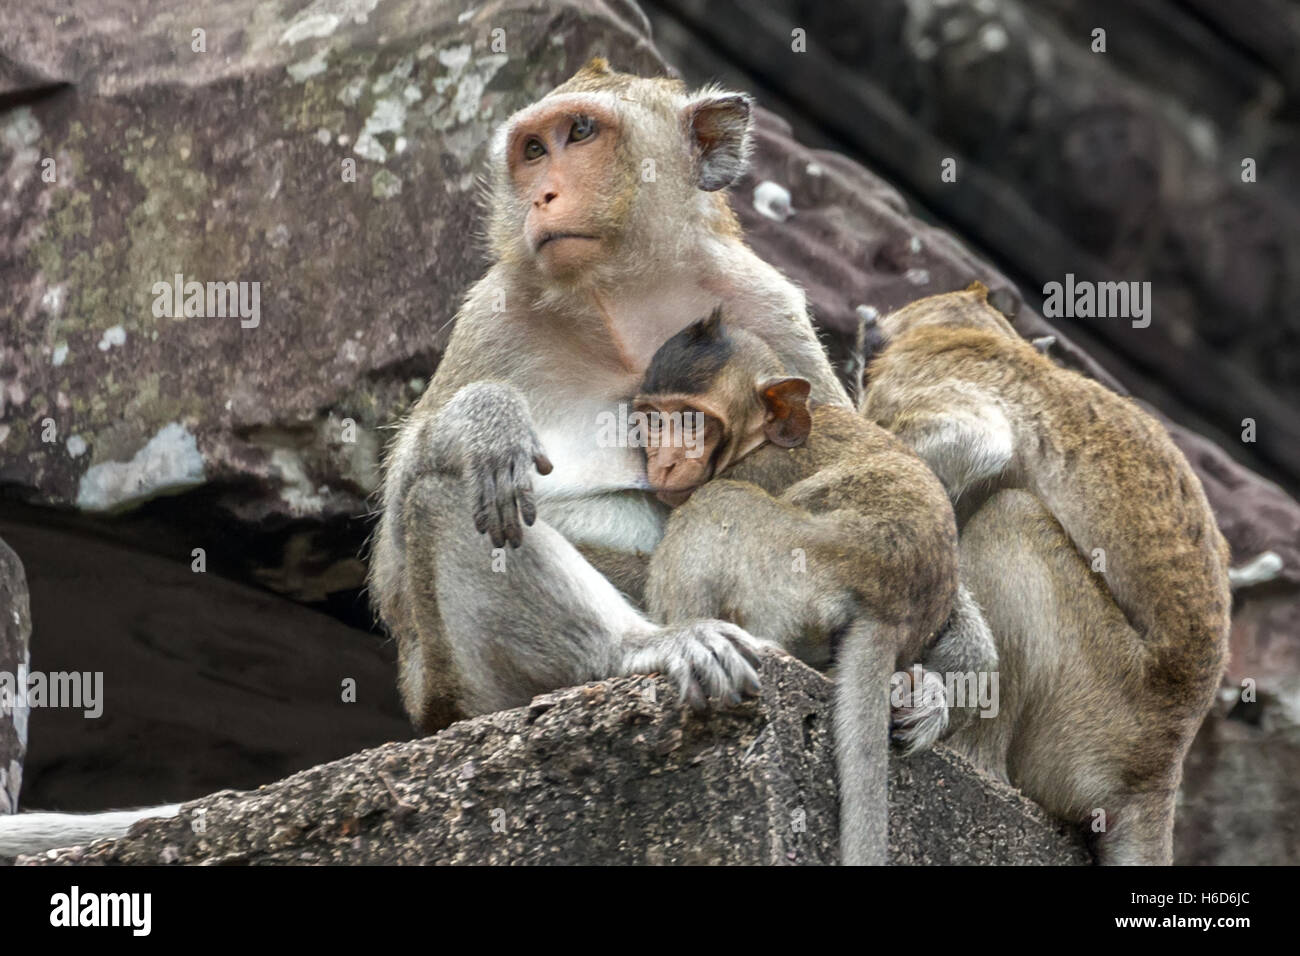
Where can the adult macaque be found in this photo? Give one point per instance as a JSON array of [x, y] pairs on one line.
[[1102, 573], [806, 525], [595, 265]]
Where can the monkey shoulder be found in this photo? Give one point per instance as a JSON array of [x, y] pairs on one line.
[[866, 463], [842, 434], [927, 355]]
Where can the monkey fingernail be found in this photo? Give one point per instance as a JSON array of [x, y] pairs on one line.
[[543, 464]]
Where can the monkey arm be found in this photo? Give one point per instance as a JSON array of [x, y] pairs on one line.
[[626, 570], [484, 429], [485, 435]]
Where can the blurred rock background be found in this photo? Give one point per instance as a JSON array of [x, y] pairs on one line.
[[135, 449]]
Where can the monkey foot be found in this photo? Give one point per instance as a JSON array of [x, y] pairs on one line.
[[706, 660], [918, 715]]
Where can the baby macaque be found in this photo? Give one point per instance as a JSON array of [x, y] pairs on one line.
[[806, 525]]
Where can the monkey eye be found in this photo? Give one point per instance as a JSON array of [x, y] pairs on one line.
[[533, 149], [583, 128]]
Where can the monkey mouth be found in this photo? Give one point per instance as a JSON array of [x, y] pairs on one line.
[[549, 237]]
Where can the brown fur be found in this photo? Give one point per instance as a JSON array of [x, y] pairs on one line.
[[842, 546], [898, 529], [1117, 668]]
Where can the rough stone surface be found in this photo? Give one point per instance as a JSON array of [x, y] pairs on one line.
[[15, 635], [607, 773], [228, 166]]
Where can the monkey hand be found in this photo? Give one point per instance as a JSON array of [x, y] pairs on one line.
[[918, 714], [705, 660], [498, 450]]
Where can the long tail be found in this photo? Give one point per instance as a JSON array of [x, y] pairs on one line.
[[38, 832], [866, 660]]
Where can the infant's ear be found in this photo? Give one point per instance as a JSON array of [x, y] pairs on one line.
[[788, 421], [719, 125]]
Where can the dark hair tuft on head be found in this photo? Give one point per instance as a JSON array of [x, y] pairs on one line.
[[689, 361]]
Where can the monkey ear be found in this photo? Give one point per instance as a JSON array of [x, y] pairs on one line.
[[718, 125], [788, 420]]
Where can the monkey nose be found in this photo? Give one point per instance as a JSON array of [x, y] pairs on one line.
[[545, 199]]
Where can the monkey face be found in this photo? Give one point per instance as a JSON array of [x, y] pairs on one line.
[[566, 196], [707, 400], [681, 445], [564, 166]]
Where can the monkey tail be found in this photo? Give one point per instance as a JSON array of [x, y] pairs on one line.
[[37, 832], [866, 660]]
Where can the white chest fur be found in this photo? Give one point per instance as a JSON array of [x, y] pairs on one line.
[[596, 493]]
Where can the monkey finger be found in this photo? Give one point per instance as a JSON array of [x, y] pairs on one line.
[[495, 521], [508, 510], [524, 499], [527, 504], [740, 672], [483, 504], [688, 686], [744, 645], [750, 649], [514, 533], [749, 683], [695, 697], [543, 463], [720, 666]]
